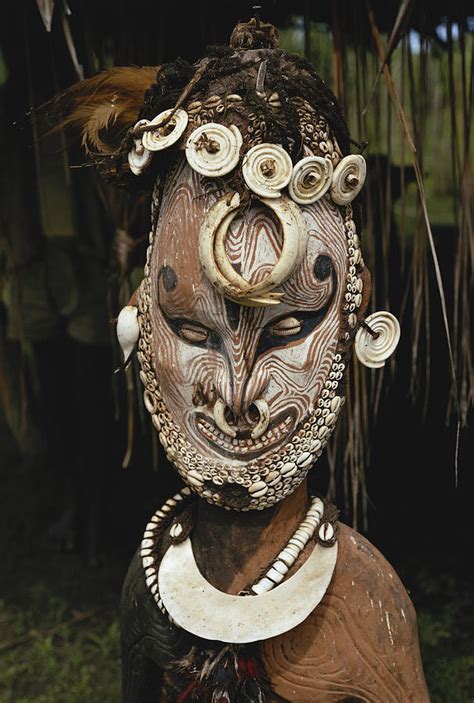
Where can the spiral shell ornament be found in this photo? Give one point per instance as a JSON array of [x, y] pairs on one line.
[[375, 345], [218, 268], [214, 149], [139, 157], [348, 179], [267, 168], [311, 179], [164, 136]]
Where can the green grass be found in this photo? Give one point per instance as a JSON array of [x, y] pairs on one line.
[[446, 627], [64, 661]]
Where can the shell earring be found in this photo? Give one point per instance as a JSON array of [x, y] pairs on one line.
[[377, 339], [214, 149], [348, 179], [128, 330]]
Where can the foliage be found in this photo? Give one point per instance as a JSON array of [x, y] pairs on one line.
[[446, 629], [72, 664]]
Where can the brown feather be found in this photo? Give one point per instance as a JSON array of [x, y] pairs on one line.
[[104, 107]]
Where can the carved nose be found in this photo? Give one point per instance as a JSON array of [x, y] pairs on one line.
[[259, 426]]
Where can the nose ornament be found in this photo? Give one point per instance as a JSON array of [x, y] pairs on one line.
[[258, 429]]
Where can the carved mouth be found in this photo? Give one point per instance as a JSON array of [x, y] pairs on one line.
[[243, 446]]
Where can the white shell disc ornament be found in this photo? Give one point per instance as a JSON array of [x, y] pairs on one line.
[[128, 330], [139, 157], [214, 149], [348, 179], [311, 179], [373, 350], [267, 168], [164, 136]]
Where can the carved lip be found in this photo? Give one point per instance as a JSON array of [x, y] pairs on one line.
[[243, 446]]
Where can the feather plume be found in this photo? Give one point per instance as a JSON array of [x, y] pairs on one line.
[[103, 108]]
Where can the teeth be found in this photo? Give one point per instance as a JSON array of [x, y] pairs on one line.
[[243, 446]]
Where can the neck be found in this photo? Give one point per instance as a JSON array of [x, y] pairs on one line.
[[232, 548]]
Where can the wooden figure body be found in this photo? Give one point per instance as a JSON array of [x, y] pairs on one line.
[[359, 644], [255, 289]]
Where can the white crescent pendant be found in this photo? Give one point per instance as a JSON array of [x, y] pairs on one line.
[[196, 606]]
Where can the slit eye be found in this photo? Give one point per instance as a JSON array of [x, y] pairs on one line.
[[194, 333], [286, 327]]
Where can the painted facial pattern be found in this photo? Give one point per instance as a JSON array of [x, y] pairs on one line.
[[244, 397]]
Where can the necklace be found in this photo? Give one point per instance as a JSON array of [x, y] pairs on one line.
[[191, 602]]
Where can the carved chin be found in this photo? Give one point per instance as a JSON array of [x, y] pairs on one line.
[[243, 447]]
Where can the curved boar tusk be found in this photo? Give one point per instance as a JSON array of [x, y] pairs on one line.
[[261, 426], [220, 271], [219, 418]]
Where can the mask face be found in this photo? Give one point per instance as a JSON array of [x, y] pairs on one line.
[[244, 397]]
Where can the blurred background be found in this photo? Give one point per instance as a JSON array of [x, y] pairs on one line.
[[80, 469]]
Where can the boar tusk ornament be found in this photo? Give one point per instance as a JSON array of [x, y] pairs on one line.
[[264, 418], [219, 418], [219, 270]]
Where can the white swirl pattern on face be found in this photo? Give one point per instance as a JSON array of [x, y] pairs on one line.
[[240, 360]]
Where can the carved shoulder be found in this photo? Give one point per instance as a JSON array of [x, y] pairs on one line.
[[360, 643]]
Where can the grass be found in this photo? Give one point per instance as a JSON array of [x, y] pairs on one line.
[[446, 626], [72, 654]]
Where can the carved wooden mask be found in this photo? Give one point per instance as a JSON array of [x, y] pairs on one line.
[[245, 398]]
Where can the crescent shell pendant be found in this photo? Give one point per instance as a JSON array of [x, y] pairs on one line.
[[197, 607]]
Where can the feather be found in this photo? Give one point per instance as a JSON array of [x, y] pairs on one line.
[[103, 108]]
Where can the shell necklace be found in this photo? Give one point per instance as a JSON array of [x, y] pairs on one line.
[[195, 605]]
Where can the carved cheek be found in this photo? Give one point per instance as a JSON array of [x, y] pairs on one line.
[[181, 367]]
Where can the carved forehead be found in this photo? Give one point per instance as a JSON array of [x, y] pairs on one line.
[[253, 245]]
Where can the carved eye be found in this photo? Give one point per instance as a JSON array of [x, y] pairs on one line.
[[322, 267], [286, 327], [194, 333]]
